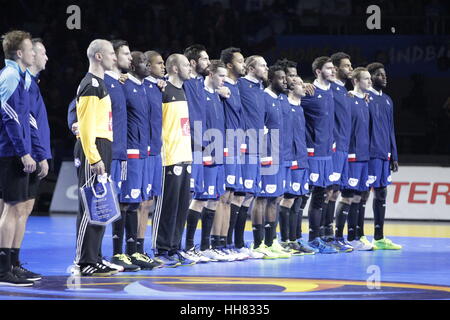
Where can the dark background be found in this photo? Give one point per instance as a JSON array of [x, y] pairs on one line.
[[422, 99]]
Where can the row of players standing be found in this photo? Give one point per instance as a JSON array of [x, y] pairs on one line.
[[294, 145], [24, 148]]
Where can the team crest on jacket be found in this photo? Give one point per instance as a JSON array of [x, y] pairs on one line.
[[177, 170], [314, 177], [271, 188], [231, 179], [135, 193]]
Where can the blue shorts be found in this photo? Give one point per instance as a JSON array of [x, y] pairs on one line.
[[358, 178], [213, 177], [251, 174], [233, 174], [118, 173], [153, 176], [379, 173], [135, 187], [273, 185], [197, 185], [340, 167], [297, 181], [320, 171]]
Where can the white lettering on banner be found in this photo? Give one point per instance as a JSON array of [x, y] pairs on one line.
[[417, 193]]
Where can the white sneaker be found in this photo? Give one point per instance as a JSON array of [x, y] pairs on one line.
[[360, 246], [214, 255], [113, 266], [230, 254], [254, 254], [200, 258], [244, 252], [190, 255], [239, 256]]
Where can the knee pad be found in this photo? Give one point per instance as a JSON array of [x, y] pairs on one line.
[[381, 194]]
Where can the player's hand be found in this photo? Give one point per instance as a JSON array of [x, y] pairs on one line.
[[224, 92], [162, 84], [29, 165], [98, 168], [394, 166], [75, 129], [310, 89], [123, 77], [43, 169]]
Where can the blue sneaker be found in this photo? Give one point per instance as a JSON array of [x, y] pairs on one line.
[[340, 245], [184, 262], [168, 262], [306, 248], [324, 248]]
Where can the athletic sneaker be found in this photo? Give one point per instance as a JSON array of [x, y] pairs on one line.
[[124, 261], [143, 261], [201, 258], [323, 247], [152, 255], [20, 272], [184, 262], [113, 266], [95, 270], [279, 250], [306, 248], [168, 261], [341, 245], [385, 244], [228, 253], [215, 255], [156, 262], [10, 279], [364, 240], [190, 254], [293, 248], [251, 254], [239, 256], [358, 245], [268, 254]]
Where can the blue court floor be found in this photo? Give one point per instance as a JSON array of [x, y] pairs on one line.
[[420, 271]]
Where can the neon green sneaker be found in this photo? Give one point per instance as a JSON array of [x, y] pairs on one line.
[[277, 249], [268, 254], [385, 244], [364, 240]]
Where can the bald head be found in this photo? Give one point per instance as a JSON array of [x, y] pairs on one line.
[[98, 46], [178, 65], [139, 65]]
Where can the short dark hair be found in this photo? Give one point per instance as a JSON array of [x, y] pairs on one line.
[[286, 64], [151, 54], [193, 52], [273, 69], [215, 65], [319, 62], [337, 57], [12, 41], [117, 44], [373, 67], [227, 54]]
